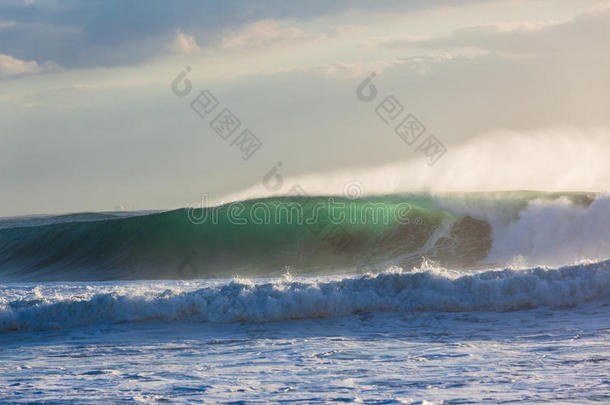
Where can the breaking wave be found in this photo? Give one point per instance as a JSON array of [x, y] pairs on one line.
[[310, 235], [427, 289]]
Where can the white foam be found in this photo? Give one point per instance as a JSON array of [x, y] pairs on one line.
[[284, 299], [553, 233]]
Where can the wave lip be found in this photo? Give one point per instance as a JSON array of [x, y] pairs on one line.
[[391, 291]]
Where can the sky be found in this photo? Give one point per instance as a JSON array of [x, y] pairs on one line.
[[94, 115]]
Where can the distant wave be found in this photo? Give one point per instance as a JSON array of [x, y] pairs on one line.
[[259, 238], [284, 299]]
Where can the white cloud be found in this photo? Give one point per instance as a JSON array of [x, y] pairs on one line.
[[397, 40], [521, 26], [10, 66], [600, 7], [513, 40], [268, 33], [466, 36], [348, 30], [185, 44], [344, 70], [6, 24]]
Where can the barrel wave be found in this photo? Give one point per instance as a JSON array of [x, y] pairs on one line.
[[309, 236]]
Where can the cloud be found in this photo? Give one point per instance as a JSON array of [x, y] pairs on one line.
[[603, 6], [6, 24], [267, 33], [185, 44], [349, 70], [478, 36], [10, 66], [397, 41], [423, 64], [559, 45], [347, 30], [519, 39], [78, 34]]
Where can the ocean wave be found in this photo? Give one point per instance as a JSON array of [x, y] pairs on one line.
[[553, 233], [432, 289], [259, 238]]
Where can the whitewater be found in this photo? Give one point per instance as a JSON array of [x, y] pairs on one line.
[[462, 298]]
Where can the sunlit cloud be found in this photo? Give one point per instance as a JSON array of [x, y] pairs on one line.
[[185, 44], [268, 33], [10, 66], [6, 24]]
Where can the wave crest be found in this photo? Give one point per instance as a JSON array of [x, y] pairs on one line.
[[285, 299], [463, 231]]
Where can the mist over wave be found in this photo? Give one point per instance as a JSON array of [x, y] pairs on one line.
[[549, 159]]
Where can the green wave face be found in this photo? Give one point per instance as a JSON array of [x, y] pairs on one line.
[[262, 238]]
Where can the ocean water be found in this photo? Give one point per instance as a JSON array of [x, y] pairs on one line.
[[486, 298]]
